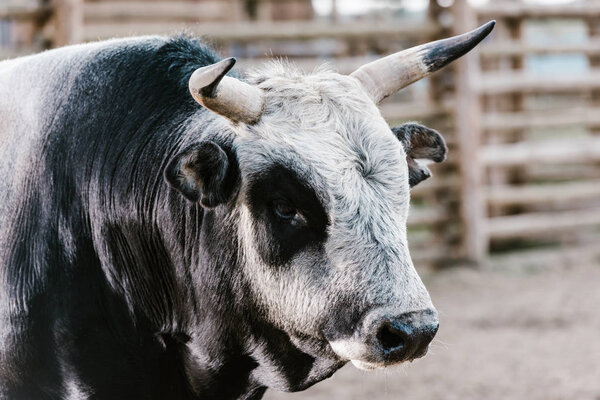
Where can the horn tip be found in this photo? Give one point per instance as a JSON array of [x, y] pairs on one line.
[[486, 28], [230, 62], [481, 33], [227, 63], [205, 80], [444, 51]]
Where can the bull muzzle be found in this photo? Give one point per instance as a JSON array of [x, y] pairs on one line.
[[385, 338]]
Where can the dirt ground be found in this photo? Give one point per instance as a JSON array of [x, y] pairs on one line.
[[504, 334]]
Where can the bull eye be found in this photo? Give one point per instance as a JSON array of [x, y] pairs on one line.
[[288, 213]]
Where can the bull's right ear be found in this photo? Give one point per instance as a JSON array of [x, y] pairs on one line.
[[203, 172]]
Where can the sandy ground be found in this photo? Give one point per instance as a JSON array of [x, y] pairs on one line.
[[504, 334]]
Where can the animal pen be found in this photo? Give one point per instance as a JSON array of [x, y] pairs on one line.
[[524, 139]]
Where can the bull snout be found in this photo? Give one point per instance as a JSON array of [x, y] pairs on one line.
[[386, 338], [404, 337]]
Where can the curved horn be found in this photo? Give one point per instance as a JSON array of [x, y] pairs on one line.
[[229, 97], [385, 76]]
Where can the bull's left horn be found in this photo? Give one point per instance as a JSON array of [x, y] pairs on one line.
[[229, 97], [384, 77]]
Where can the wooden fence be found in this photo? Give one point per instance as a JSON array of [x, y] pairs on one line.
[[507, 184], [539, 127]]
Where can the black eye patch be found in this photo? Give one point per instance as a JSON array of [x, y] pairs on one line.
[[278, 239]]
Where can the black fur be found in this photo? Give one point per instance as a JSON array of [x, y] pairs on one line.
[[280, 240], [110, 278]]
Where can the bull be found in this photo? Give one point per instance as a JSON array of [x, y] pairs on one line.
[[252, 235]]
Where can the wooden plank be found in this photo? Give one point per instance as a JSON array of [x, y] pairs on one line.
[[543, 194], [500, 9], [159, 10], [583, 116], [425, 216], [580, 150], [433, 253], [558, 256], [562, 172], [68, 22], [420, 238], [244, 32], [593, 30], [512, 103], [468, 128], [433, 184], [413, 111], [527, 225], [504, 83], [6, 54], [23, 10], [518, 48]]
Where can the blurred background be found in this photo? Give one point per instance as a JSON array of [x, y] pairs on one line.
[[516, 207]]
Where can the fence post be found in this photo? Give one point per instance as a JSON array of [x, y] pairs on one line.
[[68, 22], [593, 27], [468, 130], [441, 92]]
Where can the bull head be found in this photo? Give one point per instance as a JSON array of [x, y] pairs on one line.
[[315, 189], [240, 102]]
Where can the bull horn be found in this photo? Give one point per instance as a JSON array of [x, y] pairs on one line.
[[385, 76], [229, 97]]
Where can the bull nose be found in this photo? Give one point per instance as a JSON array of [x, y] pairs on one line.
[[407, 336]]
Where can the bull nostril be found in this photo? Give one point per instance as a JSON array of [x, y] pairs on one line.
[[390, 339]]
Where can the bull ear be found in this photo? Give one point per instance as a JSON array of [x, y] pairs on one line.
[[420, 143], [203, 172]]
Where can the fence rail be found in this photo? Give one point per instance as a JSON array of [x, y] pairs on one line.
[[513, 48], [561, 193], [518, 10], [24, 10], [503, 121]]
